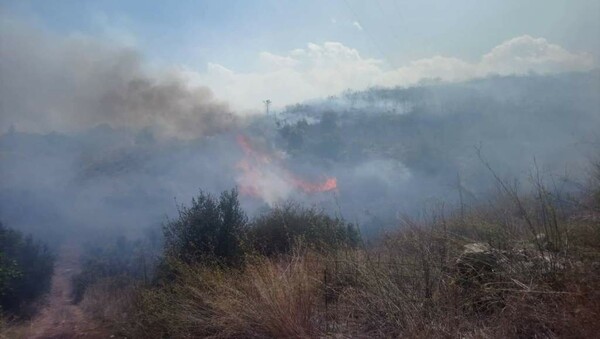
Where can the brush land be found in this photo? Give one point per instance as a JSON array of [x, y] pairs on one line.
[[526, 265], [369, 215]]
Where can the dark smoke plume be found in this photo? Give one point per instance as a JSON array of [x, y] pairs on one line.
[[66, 84]]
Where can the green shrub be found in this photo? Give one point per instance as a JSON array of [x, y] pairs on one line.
[[210, 229], [277, 231], [26, 269]]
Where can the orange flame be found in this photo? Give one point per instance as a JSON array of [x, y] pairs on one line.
[[328, 185], [260, 170]]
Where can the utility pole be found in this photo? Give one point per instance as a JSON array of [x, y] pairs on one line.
[[267, 104]]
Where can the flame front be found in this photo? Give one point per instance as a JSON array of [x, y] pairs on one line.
[[329, 184], [264, 176]]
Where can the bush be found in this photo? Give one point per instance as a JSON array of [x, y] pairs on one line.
[[420, 281], [277, 231], [26, 269], [210, 229], [518, 267]]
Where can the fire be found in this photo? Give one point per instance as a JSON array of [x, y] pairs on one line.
[[263, 175], [244, 143], [329, 184]]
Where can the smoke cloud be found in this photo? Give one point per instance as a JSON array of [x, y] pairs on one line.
[[103, 141], [70, 83]]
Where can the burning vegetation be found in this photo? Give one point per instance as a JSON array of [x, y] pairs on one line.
[[265, 176], [143, 196], [523, 265], [434, 248]]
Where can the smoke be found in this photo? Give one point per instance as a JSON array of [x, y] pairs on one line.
[[103, 141], [264, 175], [386, 159], [70, 83]]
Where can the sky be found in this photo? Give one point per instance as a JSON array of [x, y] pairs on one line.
[[289, 51]]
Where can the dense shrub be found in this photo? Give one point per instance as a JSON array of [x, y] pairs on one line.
[[210, 229], [280, 229], [440, 275], [519, 267], [26, 269]]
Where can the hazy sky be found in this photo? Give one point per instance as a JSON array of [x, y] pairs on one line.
[[247, 51]]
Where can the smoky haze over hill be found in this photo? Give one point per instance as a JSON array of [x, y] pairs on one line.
[[391, 151], [97, 138]]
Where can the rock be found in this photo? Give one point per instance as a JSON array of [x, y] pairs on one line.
[[479, 264], [479, 268]]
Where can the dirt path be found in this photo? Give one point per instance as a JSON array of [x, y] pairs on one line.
[[60, 318]]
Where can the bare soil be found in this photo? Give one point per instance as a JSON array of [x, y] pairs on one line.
[[59, 317]]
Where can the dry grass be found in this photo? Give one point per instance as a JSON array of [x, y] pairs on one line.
[[268, 298], [271, 300], [538, 276], [112, 301], [410, 286], [9, 330], [389, 293]]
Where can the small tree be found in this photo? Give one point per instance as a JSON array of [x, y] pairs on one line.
[[26, 269], [210, 229]]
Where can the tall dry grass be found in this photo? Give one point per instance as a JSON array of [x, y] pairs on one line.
[[268, 298], [522, 266], [112, 301], [391, 292]]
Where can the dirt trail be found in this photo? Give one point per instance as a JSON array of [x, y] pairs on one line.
[[60, 318]]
